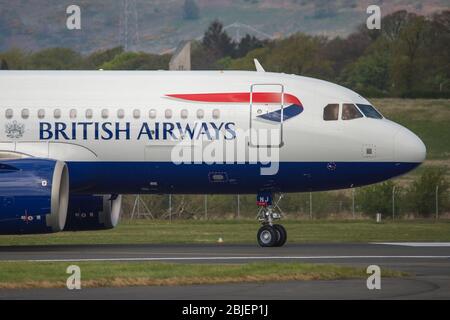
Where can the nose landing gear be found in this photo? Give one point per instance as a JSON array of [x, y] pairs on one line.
[[270, 234]]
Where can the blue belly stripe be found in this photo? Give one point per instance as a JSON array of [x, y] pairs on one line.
[[167, 177]]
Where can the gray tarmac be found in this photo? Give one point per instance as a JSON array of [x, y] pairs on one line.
[[428, 264]]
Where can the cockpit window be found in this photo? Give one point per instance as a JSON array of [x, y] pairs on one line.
[[331, 112], [349, 112], [369, 111]]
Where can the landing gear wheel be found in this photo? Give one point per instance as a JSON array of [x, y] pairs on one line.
[[281, 235], [267, 236], [270, 234]]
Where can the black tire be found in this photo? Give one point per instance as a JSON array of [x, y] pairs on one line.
[[281, 235], [267, 236]]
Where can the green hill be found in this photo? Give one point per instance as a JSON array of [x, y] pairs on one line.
[[159, 25]]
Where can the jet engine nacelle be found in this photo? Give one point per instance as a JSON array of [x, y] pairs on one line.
[[34, 195], [93, 212]]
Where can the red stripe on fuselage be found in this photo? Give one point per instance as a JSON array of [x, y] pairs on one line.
[[238, 97]]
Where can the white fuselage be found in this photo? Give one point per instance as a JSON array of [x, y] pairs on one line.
[[125, 117]]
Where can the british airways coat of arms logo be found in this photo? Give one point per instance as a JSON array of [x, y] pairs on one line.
[[14, 130]]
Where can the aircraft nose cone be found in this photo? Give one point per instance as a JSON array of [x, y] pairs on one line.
[[409, 147]]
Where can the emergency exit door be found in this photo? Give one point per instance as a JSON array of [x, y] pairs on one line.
[[266, 115]]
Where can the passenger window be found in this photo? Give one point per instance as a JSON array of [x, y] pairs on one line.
[[41, 113], [120, 113], [168, 113], [152, 113], [73, 113], [136, 113], [216, 113], [369, 111], [200, 113], [57, 113], [331, 112], [9, 113], [25, 113], [184, 114], [350, 112], [105, 113], [89, 113]]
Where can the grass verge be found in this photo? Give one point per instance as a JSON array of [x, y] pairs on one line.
[[242, 231], [15, 275]]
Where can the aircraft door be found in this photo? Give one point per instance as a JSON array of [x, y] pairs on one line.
[[266, 115]]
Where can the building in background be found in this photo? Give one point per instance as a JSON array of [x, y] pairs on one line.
[[181, 59]]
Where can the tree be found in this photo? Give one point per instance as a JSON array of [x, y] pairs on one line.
[[217, 41], [438, 45], [55, 59], [137, 61], [422, 193], [96, 59], [300, 54], [342, 52], [247, 44], [190, 10], [392, 24], [376, 199], [4, 65], [246, 63], [369, 74], [16, 59], [201, 57], [409, 60]]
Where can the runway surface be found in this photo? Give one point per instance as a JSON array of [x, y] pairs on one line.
[[428, 264]]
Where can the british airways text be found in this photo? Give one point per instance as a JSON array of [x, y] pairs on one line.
[[127, 131]]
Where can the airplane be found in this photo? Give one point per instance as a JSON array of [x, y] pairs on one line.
[[73, 142]]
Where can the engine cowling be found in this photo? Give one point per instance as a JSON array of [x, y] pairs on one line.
[[93, 212], [34, 196]]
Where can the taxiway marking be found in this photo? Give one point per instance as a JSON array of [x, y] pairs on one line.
[[416, 244]]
